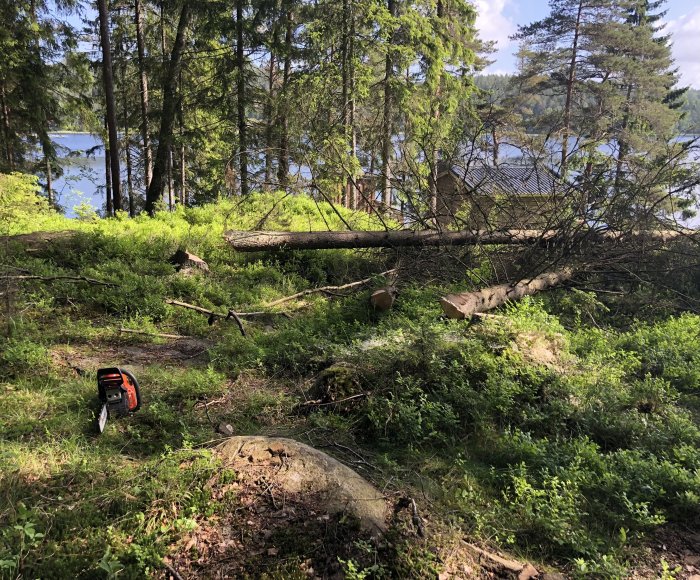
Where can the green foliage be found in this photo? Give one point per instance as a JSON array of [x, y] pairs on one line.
[[21, 207]]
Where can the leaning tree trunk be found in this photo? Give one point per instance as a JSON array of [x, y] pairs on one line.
[[570, 90], [111, 106], [165, 135], [469, 303]]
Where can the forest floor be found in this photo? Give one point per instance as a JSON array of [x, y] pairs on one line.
[[563, 433]]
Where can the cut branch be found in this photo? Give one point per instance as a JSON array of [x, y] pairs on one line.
[[467, 304], [328, 289], [208, 312], [157, 334], [213, 316]]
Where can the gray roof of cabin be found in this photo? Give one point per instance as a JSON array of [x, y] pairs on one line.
[[508, 179]]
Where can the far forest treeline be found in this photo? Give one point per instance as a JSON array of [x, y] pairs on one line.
[[354, 101]]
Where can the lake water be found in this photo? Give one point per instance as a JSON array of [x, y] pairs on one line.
[[83, 181], [83, 160]]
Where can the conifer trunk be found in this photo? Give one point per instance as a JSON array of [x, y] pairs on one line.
[[241, 102], [165, 135], [283, 163], [270, 112], [388, 110], [111, 106], [7, 128], [143, 81]]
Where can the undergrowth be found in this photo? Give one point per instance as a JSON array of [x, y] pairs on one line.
[[545, 431]]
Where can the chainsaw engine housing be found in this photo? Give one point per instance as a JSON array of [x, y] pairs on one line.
[[118, 390]]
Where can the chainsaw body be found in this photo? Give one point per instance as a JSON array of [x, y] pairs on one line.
[[119, 393]]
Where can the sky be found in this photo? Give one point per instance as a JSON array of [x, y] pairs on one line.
[[498, 19]]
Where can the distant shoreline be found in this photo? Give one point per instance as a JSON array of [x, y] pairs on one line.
[[71, 133]]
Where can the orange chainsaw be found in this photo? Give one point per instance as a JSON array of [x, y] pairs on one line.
[[119, 393]]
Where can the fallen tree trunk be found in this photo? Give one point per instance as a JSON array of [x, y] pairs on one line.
[[261, 241], [469, 303]]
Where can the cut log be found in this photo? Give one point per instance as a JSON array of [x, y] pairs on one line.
[[185, 260], [383, 299], [469, 303], [262, 241]]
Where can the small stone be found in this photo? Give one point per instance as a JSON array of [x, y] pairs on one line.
[[225, 429], [692, 560], [272, 551], [444, 576], [694, 577], [528, 572], [553, 576]]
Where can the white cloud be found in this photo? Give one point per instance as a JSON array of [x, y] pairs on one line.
[[493, 24], [685, 34]]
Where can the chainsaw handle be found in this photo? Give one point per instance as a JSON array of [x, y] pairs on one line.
[[136, 388]]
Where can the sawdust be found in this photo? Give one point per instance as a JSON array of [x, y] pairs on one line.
[[542, 349]]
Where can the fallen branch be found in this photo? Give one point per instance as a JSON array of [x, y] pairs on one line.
[[213, 316], [260, 313], [158, 334], [54, 278], [469, 303], [174, 573], [321, 403], [328, 289]]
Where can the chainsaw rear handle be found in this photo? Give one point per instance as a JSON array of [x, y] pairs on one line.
[[119, 390], [136, 389]]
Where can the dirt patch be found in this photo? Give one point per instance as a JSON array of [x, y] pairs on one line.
[[181, 352], [678, 548]]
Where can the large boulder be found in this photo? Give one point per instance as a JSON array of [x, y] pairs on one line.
[[305, 472]]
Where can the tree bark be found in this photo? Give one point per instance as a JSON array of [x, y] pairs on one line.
[[165, 135], [388, 109], [108, 183], [283, 163], [111, 106], [49, 187], [270, 111], [241, 102], [7, 129], [143, 80], [469, 303], [127, 147]]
